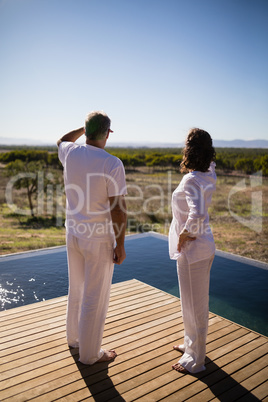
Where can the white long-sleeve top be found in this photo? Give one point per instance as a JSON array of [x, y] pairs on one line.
[[190, 202]]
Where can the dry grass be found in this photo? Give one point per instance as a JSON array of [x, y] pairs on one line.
[[148, 201], [16, 235], [230, 232]]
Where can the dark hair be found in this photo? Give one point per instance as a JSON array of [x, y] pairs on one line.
[[97, 125], [198, 152]]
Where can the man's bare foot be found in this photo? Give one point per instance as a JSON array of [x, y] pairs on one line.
[[178, 367], [179, 348], [108, 356]]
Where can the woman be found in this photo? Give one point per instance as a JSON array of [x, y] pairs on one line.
[[191, 243]]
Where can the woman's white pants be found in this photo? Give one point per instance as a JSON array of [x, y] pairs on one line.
[[194, 295], [90, 265]]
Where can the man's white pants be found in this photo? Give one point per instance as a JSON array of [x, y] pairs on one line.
[[194, 295], [90, 265]]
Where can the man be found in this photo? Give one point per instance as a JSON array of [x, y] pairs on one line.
[[95, 218]]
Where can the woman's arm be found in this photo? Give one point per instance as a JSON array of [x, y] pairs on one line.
[[195, 198], [196, 203]]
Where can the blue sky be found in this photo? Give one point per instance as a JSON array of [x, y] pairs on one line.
[[157, 67]]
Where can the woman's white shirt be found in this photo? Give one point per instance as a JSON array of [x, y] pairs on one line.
[[190, 202]]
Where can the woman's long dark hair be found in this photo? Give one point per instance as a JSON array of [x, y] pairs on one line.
[[198, 152]]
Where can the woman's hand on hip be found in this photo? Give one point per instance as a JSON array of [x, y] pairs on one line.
[[183, 238]]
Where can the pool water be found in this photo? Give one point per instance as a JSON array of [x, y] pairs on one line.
[[238, 286]]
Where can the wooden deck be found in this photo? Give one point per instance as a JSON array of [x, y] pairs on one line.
[[142, 325]]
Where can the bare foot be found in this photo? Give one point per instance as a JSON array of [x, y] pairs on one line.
[[179, 348], [108, 356], [178, 367]]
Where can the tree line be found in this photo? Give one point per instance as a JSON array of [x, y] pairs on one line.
[[228, 159], [28, 166]]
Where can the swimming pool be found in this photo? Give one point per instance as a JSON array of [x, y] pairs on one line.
[[238, 286]]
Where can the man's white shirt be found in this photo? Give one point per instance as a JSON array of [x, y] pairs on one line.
[[91, 176]]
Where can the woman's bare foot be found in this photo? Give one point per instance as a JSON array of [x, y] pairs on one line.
[[108, 356], [179, 348], [178, 367]]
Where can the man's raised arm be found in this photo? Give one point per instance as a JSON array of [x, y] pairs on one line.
[[119, 219], [72, 136]]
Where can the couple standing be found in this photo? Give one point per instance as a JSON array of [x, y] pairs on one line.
[[95, 230]]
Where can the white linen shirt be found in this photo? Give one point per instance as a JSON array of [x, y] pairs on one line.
[[190, 202], [91, 176]]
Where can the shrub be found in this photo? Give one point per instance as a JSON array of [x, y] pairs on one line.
[[245, 165]]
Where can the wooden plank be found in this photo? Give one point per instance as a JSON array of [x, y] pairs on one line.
[[30, 344], [142, 388], [142, 328], [124, 287], [121, 364], [50, 320], [33, 340], [126, 364], [130, 312], [46, 377], [109, 325], [21, 338], [31, 374], [143, 323], [169, 382], [145, 383], [27, 328], [150, 298], [38, 306], [25, 356], [245, 389], [260, 392], [182, 388], [139, 366], [232, 379], [134, 286], [139, 332], [128, 300], [22, 321], [36, 331], [133, 308]]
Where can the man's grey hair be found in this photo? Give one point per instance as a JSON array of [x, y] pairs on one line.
[[97, 125]]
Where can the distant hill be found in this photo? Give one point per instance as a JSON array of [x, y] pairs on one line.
[[217, 143], [21, 141], [241, 144]]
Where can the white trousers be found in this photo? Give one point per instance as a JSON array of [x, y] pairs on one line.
[[90, 266], [194, 294]]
